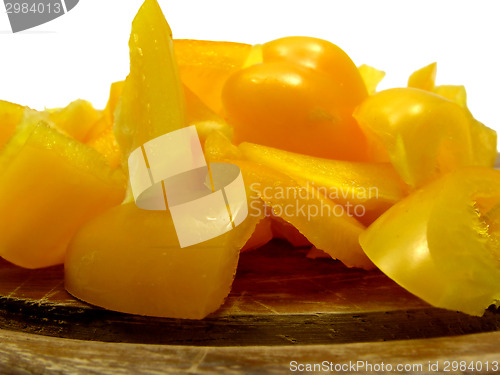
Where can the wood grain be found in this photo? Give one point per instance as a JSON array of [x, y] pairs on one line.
[[22, 353], [279, 298]]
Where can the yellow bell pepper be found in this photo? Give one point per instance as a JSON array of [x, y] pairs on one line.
[[366, 190], [50, 185], [424, 78], [152, 102], [424, 134], [299, 99], [371, 77], [442, 242], [205, 65], [10, 115], [76, 119]]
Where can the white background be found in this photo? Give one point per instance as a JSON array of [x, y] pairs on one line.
[[80, 54]]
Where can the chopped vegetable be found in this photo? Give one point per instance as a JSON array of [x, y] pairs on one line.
[[323, 155], [297, 100], [442, 242]]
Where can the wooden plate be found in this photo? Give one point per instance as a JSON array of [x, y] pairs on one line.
[[279, 297]]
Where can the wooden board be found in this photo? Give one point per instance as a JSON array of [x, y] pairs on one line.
[[22, 353], [279, 297]]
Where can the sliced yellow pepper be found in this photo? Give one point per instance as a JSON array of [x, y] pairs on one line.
[[50, 185], [10, 115], [442, 242], [370, 188], [371, 77], [76, 119], [424, 78], [205, 65], [424, 134], [152, 102]]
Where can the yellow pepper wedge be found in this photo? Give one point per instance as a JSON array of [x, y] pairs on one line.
[[299, 99], [107, 117], [11, 114], [201, 116], [76, 119], [129, 260], [205, 65], [323, 222], [424, 134], [442, 242], [371, 77], [152, 102], [424, 78], [101, 136], [366, 190], [483, 139], [50, 185], [455, 93]]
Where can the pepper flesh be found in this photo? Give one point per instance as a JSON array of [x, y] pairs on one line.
[[424, 134], [442, 242], [300, 99], [50, 185], [323, 222], [367, 187], [204, 66], [11, 114], [152, 102]]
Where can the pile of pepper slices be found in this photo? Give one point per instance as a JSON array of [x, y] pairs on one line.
[[404, 177]]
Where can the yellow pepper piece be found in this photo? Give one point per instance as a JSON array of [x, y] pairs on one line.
[[454, 93], [424, 134], [442, 242], [484, 142], [424, 78], [218, 147], [286, 231], [371, 77], [369, 188], [205, 65], [483, 138], [49, 186], [10, 116], [76, 119], [260, 236], [254, 57], [205, 120], [101, 136], [323, 222], [107, 117], [107, 146], [129, 260], [152, 102]]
